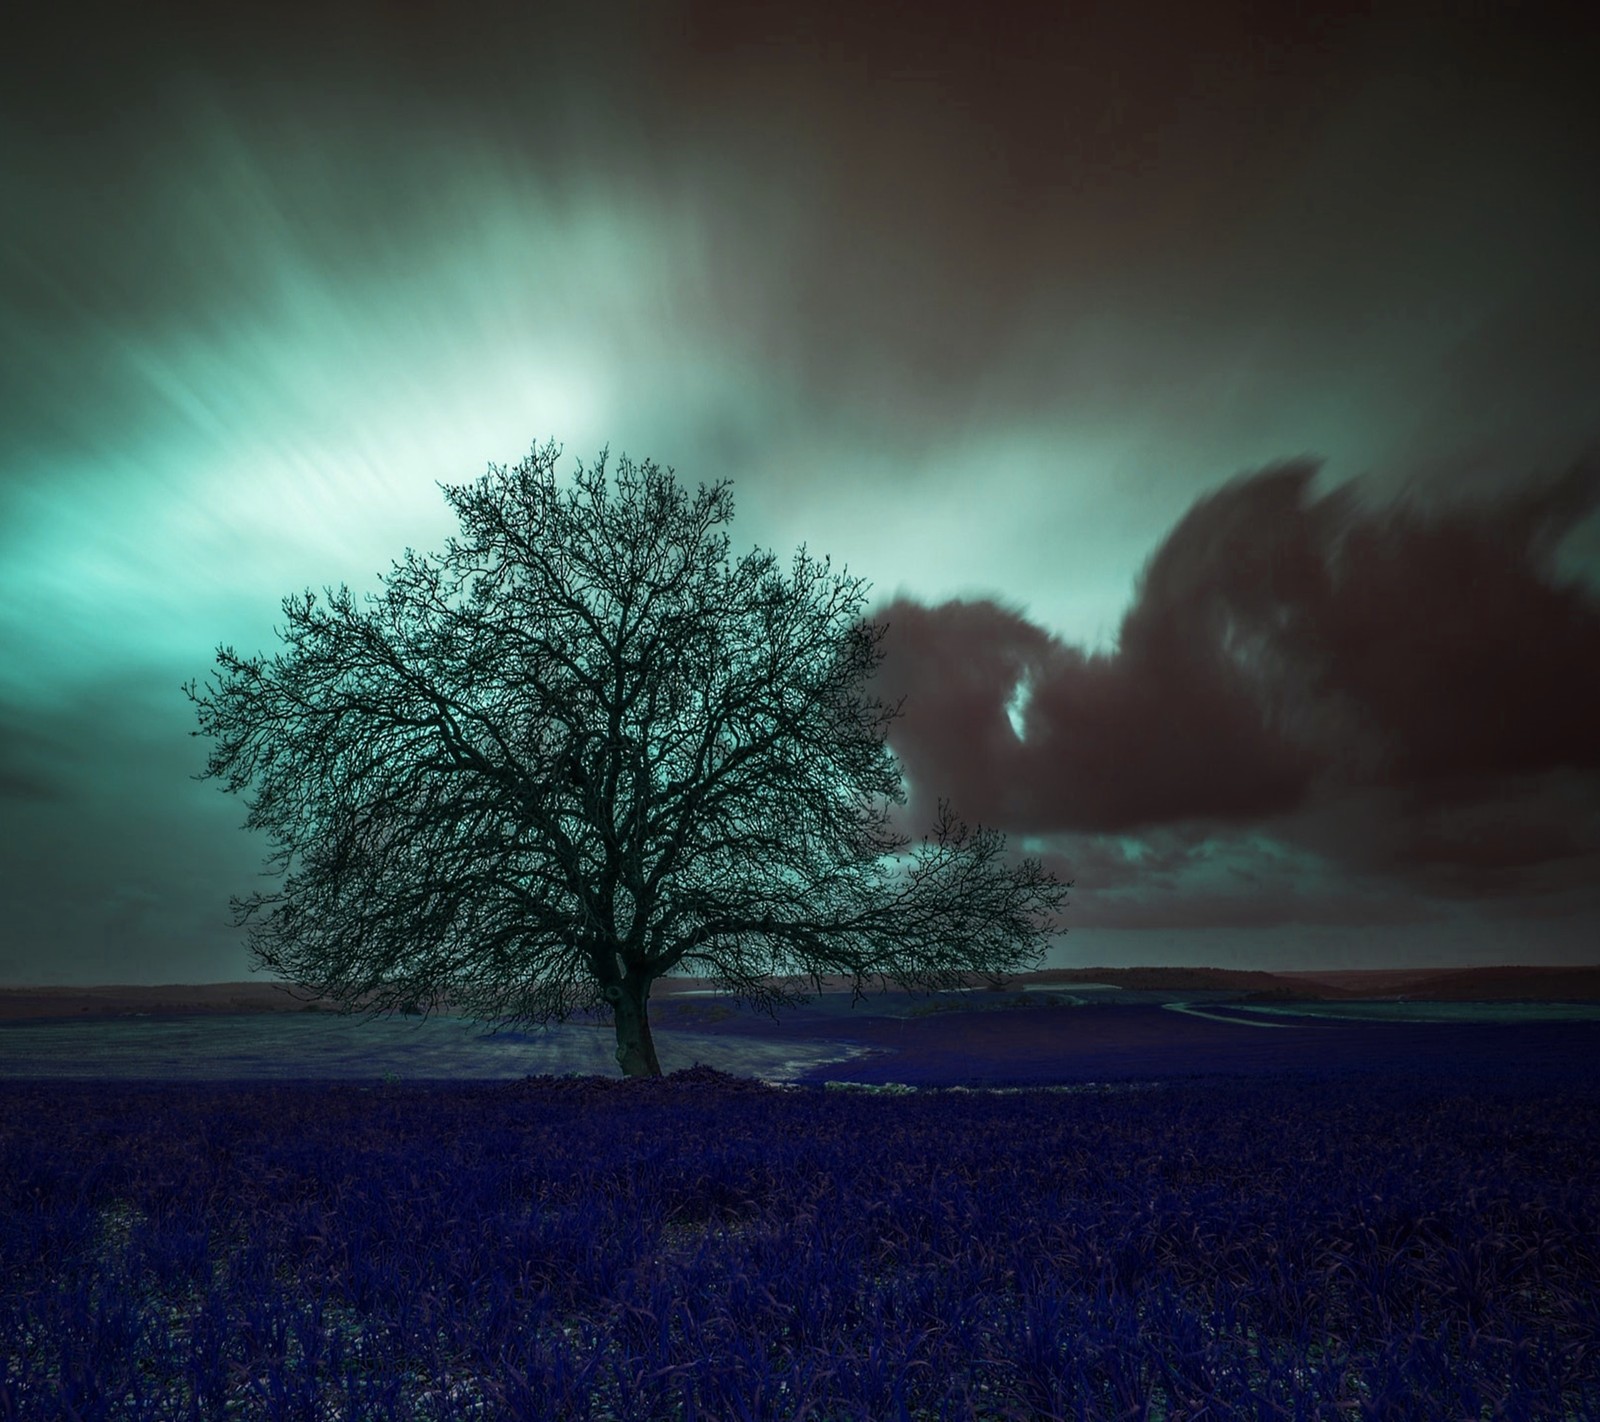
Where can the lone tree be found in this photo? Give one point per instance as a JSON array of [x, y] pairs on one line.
[[582, 748]]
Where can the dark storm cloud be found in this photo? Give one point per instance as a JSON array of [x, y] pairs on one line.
[[1403, 688], [981, 181], [1081, 206]]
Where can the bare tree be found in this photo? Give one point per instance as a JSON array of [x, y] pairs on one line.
[[581, 748]]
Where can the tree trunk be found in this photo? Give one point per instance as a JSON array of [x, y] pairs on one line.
[[630, 1007]]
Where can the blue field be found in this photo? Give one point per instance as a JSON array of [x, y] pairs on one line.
[[1346, 1220]]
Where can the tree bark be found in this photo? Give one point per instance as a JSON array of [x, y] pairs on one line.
[[630, 1009]]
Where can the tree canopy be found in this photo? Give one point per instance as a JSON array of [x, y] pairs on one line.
[[582, 748]]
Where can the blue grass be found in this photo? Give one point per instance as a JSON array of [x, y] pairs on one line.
[[706, 1248]]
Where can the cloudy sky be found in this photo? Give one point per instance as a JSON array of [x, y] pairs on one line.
[[1212, 396]]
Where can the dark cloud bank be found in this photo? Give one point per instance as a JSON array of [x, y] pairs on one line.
[[1410, 694]]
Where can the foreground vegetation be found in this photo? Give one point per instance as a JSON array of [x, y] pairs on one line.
[[701, 1247]]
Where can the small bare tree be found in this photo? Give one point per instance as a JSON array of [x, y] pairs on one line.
[[582, 748]]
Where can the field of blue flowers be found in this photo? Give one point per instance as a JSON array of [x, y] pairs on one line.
[[705, 1247]]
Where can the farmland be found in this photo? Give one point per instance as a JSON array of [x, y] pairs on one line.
[[1418, 1242]]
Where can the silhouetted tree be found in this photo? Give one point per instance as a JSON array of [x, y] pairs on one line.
[[583, 748]]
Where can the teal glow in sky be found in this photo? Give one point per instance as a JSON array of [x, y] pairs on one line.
[[980, 313]]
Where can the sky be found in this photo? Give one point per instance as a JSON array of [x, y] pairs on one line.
[[1211, 395]]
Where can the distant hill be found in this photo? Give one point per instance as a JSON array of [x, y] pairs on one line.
[[157, 999], [1167, 979], [1502, 984], [1499, 984]]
